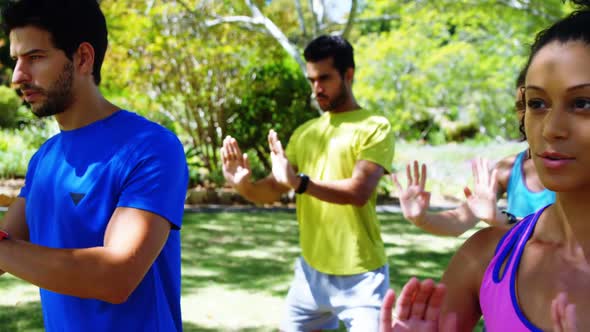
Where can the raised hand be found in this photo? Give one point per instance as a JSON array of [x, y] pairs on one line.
[[417, 309], [413, 199], [483, 199], [236, 167], [282, 170], [563, 314]]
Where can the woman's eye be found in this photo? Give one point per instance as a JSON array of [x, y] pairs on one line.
[[582, 104], [535, 104]]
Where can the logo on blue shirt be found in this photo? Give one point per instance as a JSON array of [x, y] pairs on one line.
[[77, 197]]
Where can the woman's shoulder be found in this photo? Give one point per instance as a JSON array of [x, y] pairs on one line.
[[476, 253], [483, 243]]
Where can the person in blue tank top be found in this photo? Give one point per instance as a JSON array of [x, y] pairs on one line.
[[514, 176], [96, 225]]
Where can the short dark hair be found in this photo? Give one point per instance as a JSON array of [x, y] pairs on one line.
[[581, 3], [335, 47], [69, 22]]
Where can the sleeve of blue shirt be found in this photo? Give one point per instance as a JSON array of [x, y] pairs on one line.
[[158, 181]]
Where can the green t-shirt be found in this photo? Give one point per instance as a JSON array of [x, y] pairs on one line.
[[340, 239]]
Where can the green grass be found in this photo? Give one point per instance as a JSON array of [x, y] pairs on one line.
[[237, 268]]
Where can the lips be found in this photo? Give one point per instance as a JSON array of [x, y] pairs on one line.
[[30, 95], [555, 155], [555, 160]]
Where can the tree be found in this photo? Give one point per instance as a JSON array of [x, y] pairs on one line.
[[446, 72], [311, 18], [199, 80]]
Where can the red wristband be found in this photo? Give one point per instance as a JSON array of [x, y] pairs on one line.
[[3, 235]]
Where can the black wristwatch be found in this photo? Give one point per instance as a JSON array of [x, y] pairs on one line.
[[303, 184]]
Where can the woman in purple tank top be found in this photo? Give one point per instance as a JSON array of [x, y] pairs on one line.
[[535, 276]]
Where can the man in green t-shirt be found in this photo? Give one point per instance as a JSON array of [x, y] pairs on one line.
[[334, 163]]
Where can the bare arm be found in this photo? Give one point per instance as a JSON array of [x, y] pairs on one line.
[[464, 275], [453, 222], [355, 190], [14, 222], [133, 240], [415, 201]]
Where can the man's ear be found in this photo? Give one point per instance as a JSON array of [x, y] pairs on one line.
[[349, 74], [84, 59]]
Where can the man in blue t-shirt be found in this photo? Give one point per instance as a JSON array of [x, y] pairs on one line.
[[97, 223]]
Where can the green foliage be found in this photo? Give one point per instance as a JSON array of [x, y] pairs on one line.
[[447, 72], [440, 70], [17, 146], [9, 108], [276, 97]]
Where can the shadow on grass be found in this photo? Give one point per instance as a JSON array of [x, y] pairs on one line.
[[255, 250], [28, 317], [415, 253], [248, 251]]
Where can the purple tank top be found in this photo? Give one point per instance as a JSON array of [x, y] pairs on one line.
[[497, 294]]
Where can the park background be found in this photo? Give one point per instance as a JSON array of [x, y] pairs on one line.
[[443, 72]]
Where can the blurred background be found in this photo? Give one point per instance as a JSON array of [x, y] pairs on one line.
[[442, 71]]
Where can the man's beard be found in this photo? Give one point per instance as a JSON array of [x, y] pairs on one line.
[[59, 95], [338, 100]]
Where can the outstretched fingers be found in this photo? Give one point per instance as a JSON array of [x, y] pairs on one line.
[[494, 180], [421, 300], [423, 177], [409, 174], [416, 174], [386, 308], [231, 150], [563, 314], [435, 302], [403, 307], [274, 143]]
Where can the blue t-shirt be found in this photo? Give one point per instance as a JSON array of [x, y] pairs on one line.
[[73, 185], [521, 201]]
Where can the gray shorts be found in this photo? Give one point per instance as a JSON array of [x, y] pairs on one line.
[[316, 301]]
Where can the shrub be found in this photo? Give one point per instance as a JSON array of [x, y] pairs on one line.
[[9, 108]]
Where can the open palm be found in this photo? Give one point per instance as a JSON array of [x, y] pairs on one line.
[[417, 309], [414, 200], [236, 167], [282, 170], [482, 200]]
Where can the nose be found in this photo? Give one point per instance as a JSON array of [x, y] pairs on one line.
[[21, 74], [317, 88], [556, 123]]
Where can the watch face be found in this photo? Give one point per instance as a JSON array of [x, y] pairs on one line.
[[303, 184]]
